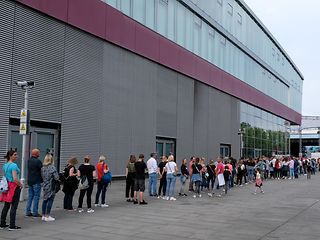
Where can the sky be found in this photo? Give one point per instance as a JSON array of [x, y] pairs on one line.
[[296, 26]]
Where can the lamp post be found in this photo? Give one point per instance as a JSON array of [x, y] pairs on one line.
[[24, 129], [240, 133]]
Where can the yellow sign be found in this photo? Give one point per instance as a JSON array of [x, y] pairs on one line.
[[23, 128], [23, 113]]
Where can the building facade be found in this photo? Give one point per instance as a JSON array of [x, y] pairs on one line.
[[125, 77]]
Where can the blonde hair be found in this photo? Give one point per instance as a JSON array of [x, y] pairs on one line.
[[170, 158], [102, 158], [48, 160], [73, 161]]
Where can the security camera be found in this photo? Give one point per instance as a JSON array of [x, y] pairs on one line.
[[25, 84]]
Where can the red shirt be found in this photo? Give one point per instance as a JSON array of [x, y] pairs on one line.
[[100, 172], [220, 168]]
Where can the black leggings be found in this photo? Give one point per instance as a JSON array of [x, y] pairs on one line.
[[89, 193], [13, 211], [130, 185]]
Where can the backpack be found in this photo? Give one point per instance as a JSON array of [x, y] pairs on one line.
[[3, 185], [84, 183], [107, 177]]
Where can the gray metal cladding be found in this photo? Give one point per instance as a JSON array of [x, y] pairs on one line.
[[6, 44], [38, 56], [81, 108], [167, 93]]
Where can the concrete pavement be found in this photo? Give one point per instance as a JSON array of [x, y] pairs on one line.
[[289, 209]]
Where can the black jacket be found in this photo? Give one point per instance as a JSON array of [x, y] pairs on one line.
[[34, 171]]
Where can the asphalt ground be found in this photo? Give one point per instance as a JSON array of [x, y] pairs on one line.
[[289, 209]]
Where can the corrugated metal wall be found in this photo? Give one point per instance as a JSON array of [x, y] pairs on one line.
[[38, 56], [6, 44], [108, 100]]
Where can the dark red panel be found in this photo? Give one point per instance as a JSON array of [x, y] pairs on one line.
[[32, 3], [88, 15], [203, 70], [55, 8], [187, 63], [120, 29], [168, 53], [216, 77], [147, 43]]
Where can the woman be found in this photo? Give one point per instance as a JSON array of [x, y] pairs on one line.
[[183, 177], [163, 177], [71, 183], [196, 178], [48, 173], [86, 170], [212, 175], [171, 169], [11, 198], [130, 175], [101, 169]]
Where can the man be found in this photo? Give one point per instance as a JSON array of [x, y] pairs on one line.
[[34, 183], [152, 171], [139, 182]]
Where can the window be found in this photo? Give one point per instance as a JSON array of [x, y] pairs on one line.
[[230, 9], [220, 2], [239, 18]]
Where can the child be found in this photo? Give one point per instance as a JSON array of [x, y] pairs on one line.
[[226, 175], [258, 181]]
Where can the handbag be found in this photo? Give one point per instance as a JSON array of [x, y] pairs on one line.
[[107, 177], [4, 186], [55, 185], [84, 183]]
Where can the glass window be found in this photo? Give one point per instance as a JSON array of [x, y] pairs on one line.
[[181, 25], [189, 31], [126, 7], [196, 35], [239, 18], [113, 3], [150, 13], [230, 9], [139, 10], [171, 19], [162, 17]]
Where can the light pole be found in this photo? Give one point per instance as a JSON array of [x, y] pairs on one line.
[[24, 129], [240, 133]]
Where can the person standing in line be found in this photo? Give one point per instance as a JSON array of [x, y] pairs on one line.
[[212, 175], [86, 170], [258, 181], [196, 177], [163, 177], [71, 183], [192, 161], [171, 169], [130, 175], [183, 177], [220, 179], [226, 175], [34, 183], [139, 182], [48, 173], [11, 198], [152, 171], [101, 169]]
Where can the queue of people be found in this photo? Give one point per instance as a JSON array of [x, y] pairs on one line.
[[213, 178]]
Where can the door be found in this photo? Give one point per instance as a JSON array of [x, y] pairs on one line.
[[225, 150], [165, 147]]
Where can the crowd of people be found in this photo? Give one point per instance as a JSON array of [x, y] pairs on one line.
[[198, 177]]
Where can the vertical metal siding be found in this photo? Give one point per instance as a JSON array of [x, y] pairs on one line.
[[38, 56], [6, 44], [80, 132]]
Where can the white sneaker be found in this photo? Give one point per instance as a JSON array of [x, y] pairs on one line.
[[49, 219], [104, 205], [194, 196], [210, 194], [97, 205], [167, 198], [90, 210], [164, 198], [43, 218], [200, 195], [173, 199], [80, 210]]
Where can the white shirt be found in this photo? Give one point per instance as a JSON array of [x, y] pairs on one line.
[[171, 167], [152, 165]]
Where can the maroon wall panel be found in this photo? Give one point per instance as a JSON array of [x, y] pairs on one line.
[[106, 22], [55, 8], [120, 29], [88, 15], [147, 43]]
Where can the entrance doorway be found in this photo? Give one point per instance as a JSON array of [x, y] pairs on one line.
[[165, 146]]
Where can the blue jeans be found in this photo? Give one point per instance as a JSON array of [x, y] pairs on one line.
[[171, 181], [152, 186], [34, 192], [102, 187], [250, 172], [47, 205]]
